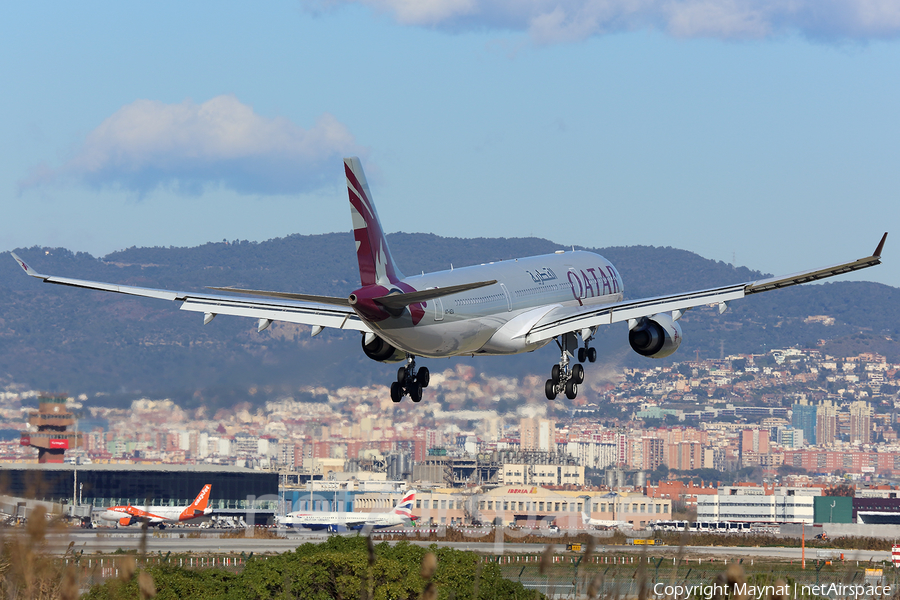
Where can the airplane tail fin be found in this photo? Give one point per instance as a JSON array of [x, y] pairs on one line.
[[405, 506], [585, 518], [376, 266], [198, 506], [202, 500]]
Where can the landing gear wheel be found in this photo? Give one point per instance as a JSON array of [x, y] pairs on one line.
[[550, 390], [401, 375], [415, 392], [571, 389], [423, 377], [396, 392], [582, 355], [554, 374], [591, 355], [577, 373]]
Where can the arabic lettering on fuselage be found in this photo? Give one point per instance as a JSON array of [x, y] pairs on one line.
[[542, 275]]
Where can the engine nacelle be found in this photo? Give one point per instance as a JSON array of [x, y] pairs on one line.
[[657, 336], [380, 350]]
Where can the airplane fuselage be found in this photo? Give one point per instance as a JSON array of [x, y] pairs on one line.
[[349, 520], [488, 320], [150, 514]]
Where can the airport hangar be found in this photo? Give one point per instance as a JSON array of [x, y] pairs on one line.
[[105, 485]]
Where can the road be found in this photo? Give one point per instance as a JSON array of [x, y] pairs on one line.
[[106, 542]]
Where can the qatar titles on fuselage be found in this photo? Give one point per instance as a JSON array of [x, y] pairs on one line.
[[473, 322]]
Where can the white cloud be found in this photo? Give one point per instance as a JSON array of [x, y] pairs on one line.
[[147, 144], [552, 21]]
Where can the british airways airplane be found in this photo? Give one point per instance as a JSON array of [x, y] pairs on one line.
[[335, 521], [505, 307]]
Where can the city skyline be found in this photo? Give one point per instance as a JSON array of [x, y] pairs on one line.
[[719, 415]]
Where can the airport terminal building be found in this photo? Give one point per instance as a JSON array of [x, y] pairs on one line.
[[106, 485], [523, 506]]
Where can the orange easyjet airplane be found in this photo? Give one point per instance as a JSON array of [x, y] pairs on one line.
[[160, 515]]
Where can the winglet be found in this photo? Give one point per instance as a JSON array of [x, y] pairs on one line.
[[876, 253], [28, 270]]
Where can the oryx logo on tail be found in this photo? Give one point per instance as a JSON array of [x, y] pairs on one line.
[[376, 266]]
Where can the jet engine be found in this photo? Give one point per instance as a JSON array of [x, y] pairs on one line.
[[378, 349], [657, 336]]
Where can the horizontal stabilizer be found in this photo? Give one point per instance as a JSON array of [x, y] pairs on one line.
[[287, 296], [393, 302]]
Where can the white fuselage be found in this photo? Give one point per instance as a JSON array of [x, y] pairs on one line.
[[336, 520], [151, 514], [487, 320]]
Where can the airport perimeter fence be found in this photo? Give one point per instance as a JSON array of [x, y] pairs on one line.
[[613, 577], [622, 577], [95, 570]]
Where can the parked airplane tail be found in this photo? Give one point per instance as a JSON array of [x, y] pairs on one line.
[[198, 506], [585, 518], [405, 506], [376, 266]]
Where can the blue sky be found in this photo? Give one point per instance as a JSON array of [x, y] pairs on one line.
[[767, 132]]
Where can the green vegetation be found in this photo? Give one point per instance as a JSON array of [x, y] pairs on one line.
[[342, 567]]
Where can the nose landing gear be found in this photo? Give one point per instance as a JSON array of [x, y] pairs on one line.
[[410, 381], [587, 354]]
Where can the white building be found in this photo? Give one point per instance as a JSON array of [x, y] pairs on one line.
[[541, 474], [754, 505], [593, 455], [789, 437]]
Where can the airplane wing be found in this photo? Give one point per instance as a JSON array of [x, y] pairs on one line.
[[566, 319], [392, 301], [291, 310]]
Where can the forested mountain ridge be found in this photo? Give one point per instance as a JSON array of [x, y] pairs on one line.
[[59, 338]]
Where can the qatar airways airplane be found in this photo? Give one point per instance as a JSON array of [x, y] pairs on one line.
[[504, 307]]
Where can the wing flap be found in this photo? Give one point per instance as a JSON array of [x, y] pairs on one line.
[[288, 296], [323, 316]]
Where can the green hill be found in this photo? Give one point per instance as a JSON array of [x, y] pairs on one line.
[[56, 338]]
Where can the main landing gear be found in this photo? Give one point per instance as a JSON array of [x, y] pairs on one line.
[[410, 381], [565, 379]]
